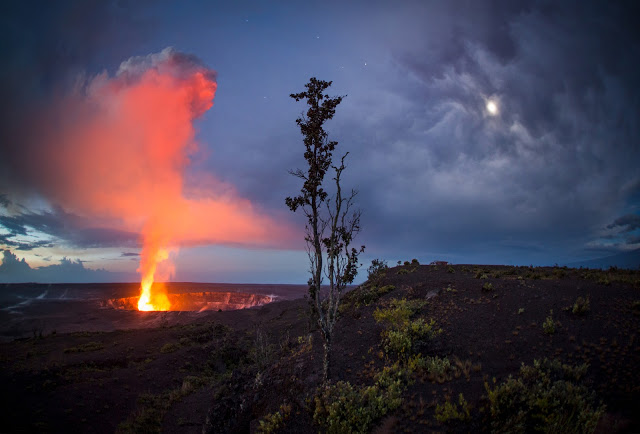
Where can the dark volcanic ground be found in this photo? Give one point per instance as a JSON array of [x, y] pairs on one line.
[[226, 372]]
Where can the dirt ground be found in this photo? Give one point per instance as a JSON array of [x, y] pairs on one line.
[[229, 372]]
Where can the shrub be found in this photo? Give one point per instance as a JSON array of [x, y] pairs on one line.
[[303, 344], [343, 408], [521, 311], [451, 270], [549, 326], [434, 368], [376, 270], [402, 340], [414, 261], [438, 368], [274, 421], [416, 364], [448, 412], [407, 263], [581, 306], [487, 287], [403, 271], [546, 397], [398, 312], [402, 334]]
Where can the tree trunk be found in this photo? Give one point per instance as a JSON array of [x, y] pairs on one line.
[[327, 359]]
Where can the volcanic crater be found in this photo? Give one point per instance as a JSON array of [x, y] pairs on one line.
[[199, 301]]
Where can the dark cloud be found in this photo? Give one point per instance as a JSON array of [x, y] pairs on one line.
[[8, 241], [4, 201], [436, 173], [619, 236], [64, 227], [626, 223], [435, 169], [129, 254]]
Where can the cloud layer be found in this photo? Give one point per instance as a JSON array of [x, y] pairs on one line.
[[555, 164]]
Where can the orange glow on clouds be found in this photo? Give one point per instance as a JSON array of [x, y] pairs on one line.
[[118, 150]]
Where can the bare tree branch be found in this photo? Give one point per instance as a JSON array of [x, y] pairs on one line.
[[331, 224]]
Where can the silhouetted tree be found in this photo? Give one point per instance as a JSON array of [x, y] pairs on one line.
[[331, 221]]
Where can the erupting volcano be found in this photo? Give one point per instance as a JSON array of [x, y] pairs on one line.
[[122, 147]]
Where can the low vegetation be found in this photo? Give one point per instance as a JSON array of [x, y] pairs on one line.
[[402, 334], [344, 408], [581, 306], [272, 422], [449, 412], [435, 369], [546, 397], [549, 325]]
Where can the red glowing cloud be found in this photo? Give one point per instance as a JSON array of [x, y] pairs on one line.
[[118, 147]]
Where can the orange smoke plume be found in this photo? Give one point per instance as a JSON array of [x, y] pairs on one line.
[[121, 146]]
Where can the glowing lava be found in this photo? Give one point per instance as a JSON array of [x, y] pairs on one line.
[[149, 300], [152, 297]]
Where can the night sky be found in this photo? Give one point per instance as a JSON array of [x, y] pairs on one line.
[[490, 132]]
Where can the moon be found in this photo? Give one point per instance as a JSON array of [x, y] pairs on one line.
[[492, 108]]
